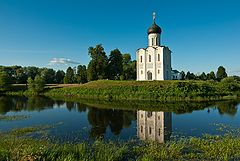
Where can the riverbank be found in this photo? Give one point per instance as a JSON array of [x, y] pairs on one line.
[[144, 90], [18, 145]]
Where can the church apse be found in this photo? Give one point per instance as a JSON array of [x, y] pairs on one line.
[[154, 125]]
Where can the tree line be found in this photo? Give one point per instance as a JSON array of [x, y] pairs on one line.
[[218, 76], [117, 66]]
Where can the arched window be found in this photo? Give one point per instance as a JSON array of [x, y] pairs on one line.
[[158, 57], [150, 130], [141, 59], [150, 58], [158, 71], [141, 129]]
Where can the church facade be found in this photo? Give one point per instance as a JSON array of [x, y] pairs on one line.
[[154, 62]]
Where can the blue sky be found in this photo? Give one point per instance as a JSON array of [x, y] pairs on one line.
[[203, 34]]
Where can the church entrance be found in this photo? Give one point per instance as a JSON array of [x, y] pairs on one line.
[[149, 75]]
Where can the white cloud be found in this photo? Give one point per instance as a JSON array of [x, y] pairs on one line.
[[64, 61]]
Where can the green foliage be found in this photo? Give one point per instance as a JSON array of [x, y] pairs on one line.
[[15, 145], [82, 74], [211, 76], [37, 85], [97, 67], [115, 65], [48, 75], [59, 76], [149, 90], [69, 78], [4, 81], [221, 73]]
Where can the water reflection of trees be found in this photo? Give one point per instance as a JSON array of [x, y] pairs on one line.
[[116, 120], [23, 103], [229, 107]]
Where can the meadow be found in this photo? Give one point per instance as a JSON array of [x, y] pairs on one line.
[[18, 144]]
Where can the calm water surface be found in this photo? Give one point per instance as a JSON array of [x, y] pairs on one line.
[[76, 121]]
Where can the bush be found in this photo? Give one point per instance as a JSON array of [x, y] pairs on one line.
[[37, 85]]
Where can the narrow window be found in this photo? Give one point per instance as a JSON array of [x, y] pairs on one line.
[[141, 59], [158, 57], [158, 117], [141, 115], [149, 58], [159, 132], [141, 129], [150, 130], [152, 41], [158, 71], [141, 72]]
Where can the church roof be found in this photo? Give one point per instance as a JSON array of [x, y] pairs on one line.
[[154, 29]]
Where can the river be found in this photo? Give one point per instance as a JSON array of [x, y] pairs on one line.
[[87, 120]]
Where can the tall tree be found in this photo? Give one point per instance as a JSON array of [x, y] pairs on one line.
[[115, 64], [69, 78], [48, 75], [221, 73], [59, 76], [203, 76], [129, 67], [82, 74], [98, 65]]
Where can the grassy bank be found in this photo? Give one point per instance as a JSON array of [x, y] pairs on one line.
[[150, 90], [17, 145]]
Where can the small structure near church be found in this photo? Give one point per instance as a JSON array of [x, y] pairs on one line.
[[154, 62], [176, 75]]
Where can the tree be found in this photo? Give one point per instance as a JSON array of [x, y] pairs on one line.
[[211, 76], [4, 81], [59, 76], [129, 67], [203, 76], [21, 76], [190, 76], [183, 75], [31, 71], [48, 75], [115, 64], [98, 65], [37, 85], [69, 78], [82, 74], [221, 73]]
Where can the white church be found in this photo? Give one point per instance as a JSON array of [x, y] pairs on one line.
[[154, 62]]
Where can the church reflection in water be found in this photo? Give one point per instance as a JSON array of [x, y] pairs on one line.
[[154, 125]]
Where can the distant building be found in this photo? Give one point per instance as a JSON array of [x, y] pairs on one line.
[[154, 62], [155, 126], [176, 75]]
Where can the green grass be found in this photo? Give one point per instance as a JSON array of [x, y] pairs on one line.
[[149, 90], [15, 145]]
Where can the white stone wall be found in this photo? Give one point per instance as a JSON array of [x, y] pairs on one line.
[[154, 39], [159, 67]]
